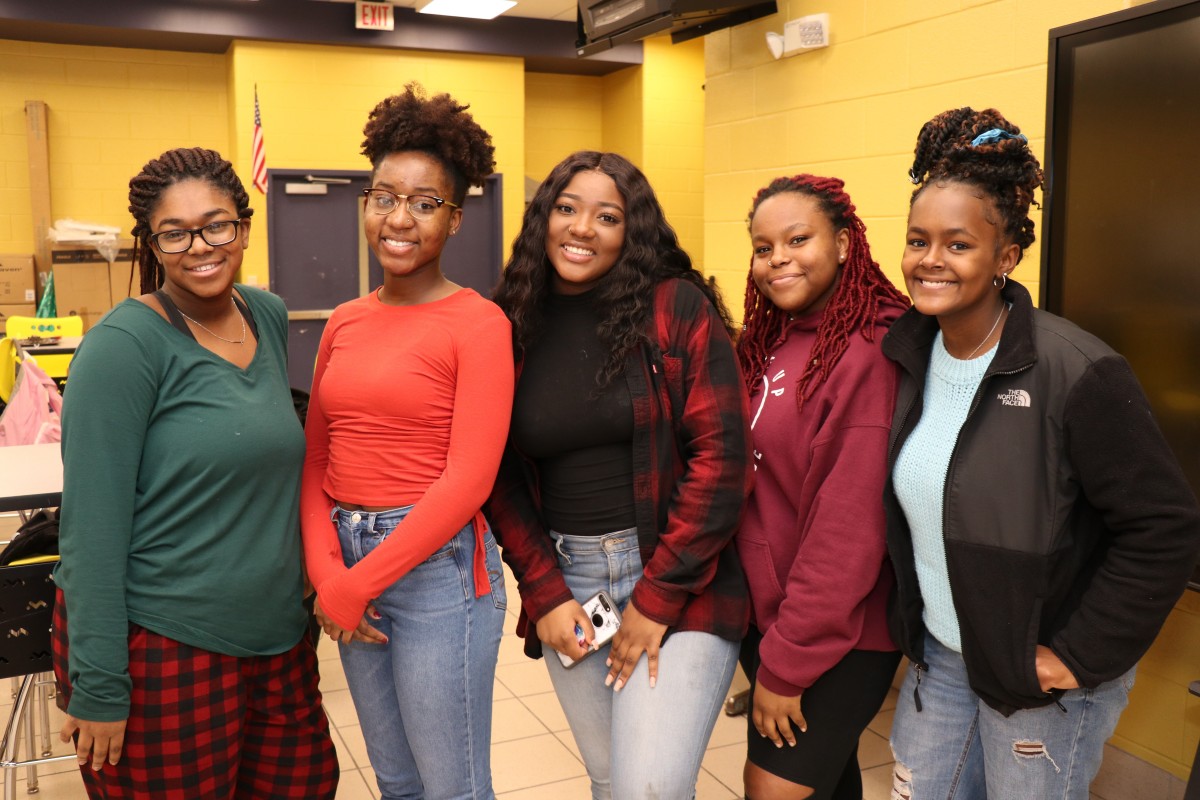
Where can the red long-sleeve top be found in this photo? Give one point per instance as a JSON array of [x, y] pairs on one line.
[[410, 406]]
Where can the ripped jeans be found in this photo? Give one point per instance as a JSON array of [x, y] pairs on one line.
[[959, 748]]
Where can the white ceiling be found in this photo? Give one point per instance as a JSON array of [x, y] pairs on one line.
[[563, 10]]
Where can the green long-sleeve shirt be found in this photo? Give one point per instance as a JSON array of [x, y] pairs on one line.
[[180, 502]]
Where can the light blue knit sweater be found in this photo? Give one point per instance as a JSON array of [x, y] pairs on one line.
[[919, 478]]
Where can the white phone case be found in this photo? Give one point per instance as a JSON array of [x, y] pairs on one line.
[[606, 619]]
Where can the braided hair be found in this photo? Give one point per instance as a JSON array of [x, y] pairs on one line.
[[650, 254], [438, 127], [854, 305], [1001, 165], [146, 189]]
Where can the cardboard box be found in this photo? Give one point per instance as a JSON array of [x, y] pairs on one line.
[[87, 285], [15, 310], [16, 279]]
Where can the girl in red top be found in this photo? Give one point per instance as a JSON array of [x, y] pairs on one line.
[[410, 408], [812, 538]]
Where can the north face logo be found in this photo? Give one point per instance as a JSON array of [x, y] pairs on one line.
[[1014, 397]]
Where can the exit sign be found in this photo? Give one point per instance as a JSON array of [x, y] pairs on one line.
[[373, 16]]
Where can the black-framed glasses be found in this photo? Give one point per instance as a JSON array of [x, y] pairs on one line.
[[420, 206], [214, 233]]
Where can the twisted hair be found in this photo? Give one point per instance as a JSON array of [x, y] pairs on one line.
[[1006, 169], [854, 305], [439, 127], [649, 255], [146, 189]]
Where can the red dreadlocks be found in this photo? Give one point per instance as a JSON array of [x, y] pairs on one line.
[[854, 305]]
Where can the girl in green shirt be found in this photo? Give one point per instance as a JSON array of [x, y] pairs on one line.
[[188, 672]]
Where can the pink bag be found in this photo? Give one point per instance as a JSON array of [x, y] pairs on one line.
[[34, 411]]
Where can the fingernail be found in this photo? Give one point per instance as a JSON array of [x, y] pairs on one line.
[[779, 745], [620, 683], [652, 682], [608, 662], [608, 679]]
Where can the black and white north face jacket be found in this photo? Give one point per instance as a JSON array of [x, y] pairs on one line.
[[1068, 521]]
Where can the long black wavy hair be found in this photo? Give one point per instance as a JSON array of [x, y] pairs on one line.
[[625, 295]]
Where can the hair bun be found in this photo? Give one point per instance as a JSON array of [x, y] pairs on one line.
[[983, 149]]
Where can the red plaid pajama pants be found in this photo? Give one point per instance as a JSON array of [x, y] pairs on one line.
[[212, 726]]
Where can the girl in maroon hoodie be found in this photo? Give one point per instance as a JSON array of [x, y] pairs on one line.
[[812, 538]]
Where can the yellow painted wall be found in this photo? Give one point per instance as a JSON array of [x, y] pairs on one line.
[[110, 110], [673, 135], [853, 110], [113, 109], [315, 99], [563, 113], [621, 98]]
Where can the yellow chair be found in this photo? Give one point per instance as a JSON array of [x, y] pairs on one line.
[[8, 368], [45, 328], [54, 364]]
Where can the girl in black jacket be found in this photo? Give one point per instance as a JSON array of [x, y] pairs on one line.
[[1040, 527]]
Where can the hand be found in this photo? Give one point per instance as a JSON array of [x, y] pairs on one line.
[[774, 715], [365, 632], [1052, 673], [638, 634], [99, 742], [557, 629]]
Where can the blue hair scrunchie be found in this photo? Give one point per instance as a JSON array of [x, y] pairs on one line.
[[996, 135]]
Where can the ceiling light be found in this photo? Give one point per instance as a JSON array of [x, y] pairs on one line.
[[475, 9]]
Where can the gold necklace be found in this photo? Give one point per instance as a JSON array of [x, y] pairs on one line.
[[242, 340]]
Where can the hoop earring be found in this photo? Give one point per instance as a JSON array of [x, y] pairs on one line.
[[1003, 281]]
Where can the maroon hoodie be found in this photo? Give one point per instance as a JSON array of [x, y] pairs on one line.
[[812, 536]]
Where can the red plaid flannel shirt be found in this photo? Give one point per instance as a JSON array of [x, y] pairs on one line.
[[692, 472]]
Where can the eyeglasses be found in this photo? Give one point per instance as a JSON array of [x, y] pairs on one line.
[[214, 233], [420, 206]]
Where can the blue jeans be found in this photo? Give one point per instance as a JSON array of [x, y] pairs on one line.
[[425, 698], [959, 748], [640, 742]]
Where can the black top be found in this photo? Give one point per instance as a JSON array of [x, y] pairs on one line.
[[579, 434]]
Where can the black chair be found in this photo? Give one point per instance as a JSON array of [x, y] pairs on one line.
[[26, 609]]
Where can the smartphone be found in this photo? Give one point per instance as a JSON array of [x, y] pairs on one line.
[[606, 619]]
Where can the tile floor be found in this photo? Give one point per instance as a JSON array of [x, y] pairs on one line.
[[533, 754]]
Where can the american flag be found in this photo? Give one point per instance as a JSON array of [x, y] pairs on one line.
[[259, 166]]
